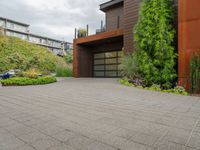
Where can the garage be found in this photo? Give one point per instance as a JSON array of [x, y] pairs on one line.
[[106, 64]]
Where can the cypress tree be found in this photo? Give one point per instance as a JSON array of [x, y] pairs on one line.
[[154, 37]]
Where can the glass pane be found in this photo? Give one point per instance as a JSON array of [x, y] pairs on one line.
[[119, 67], [99, 61], [101, 67], [119, 60], [111, 61], [99, 73], [120, 53], [111, 73], [119, 73], [111, 67], [100, 55], [111, 54]]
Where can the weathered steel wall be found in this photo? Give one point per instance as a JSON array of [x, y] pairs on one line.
[[188, 37]]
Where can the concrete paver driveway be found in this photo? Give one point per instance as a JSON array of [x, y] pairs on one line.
[[96, 114]]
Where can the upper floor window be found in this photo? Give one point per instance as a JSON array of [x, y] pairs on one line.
[[17, 27], [2, 23], [34, 39]]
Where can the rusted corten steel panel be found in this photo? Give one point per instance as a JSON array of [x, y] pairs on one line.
[[131, 8], [188, 37]]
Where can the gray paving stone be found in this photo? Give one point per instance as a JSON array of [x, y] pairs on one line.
[[99, 146], [176, 135], [102, 115], [171, 146], [61, 147], [114, 141], [124, 133], [32, 137], [25, 147], [130, 145], [10, 142], [195, 141], [144, 139], [64, 136], [44, 144], [79, 142]]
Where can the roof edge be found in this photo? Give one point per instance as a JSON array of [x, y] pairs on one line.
[[109, 4], [17, 22]]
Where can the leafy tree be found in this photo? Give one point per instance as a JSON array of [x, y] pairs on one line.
[[154, 39]]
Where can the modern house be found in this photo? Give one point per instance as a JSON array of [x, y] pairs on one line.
[[100, 55], [21, 30]]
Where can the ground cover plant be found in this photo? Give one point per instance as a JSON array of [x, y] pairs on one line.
[[22, 81], [155, 87]]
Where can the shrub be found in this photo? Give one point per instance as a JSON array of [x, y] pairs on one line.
[[64, 72], [82, 32], [154, 40], [22, 81], [195, 73], [125, 82], [18, 54], [177, 90], [129, 67], [32, 73], [69, 57], [155, 87]]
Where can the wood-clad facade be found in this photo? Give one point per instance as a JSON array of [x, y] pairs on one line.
[[131, 9], [120, 16]]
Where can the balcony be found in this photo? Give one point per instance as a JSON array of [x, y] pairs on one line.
[[84, 32]]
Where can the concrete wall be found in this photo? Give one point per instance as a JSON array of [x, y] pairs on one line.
[[188, 36]]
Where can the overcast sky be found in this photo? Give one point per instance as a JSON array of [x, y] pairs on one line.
[[54, 18]]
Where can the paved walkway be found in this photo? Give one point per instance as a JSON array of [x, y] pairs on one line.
[[96, 114]]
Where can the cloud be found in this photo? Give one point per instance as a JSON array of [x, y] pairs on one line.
[[54, 18]]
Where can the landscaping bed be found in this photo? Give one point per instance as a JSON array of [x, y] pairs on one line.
[[154, 87], [23, 81]]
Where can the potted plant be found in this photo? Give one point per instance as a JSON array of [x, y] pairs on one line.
[[82, 32]]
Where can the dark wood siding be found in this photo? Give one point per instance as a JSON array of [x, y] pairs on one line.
[[112, 16], [131, 9]]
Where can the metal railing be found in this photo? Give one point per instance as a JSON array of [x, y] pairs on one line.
[[84, 32]]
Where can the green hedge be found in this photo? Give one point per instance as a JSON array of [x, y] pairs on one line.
[[22, 81]]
